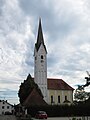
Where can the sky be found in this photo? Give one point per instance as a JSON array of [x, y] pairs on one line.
[[66, 31]]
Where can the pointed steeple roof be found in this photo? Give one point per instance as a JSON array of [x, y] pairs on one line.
[[40, 39], [40, 34], [34, 98]]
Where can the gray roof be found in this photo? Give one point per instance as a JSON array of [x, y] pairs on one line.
[[40, 39]]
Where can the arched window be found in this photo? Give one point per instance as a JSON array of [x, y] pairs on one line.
[[51, 98], [65, 97], [59, 99], [41, 56]]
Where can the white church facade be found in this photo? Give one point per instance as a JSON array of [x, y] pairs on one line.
[[55, 91]]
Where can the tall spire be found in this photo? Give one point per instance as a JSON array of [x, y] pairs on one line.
[[40, 33], [39, 36]]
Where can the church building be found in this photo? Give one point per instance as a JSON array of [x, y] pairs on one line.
[[55, 91]]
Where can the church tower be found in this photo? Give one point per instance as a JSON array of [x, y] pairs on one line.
[[40, 62]]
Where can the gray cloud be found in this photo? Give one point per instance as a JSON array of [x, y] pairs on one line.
[[10, 95], [56, 23], [66, 28]]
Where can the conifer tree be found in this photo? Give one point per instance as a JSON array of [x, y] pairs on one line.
[[26, 88]]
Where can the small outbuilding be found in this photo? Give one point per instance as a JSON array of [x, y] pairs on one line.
[[6, 108]]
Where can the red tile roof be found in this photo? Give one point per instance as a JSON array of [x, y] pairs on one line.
[[34, 99], [57, 84]]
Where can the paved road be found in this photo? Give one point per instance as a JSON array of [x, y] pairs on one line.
[[67, 118], [70, 118], [58, 118], [7, 117]]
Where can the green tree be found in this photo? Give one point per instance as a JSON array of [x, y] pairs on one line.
[[26, 88], [81, 95]]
